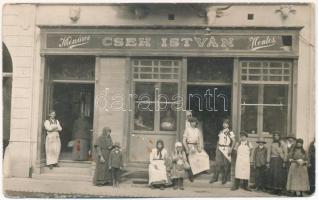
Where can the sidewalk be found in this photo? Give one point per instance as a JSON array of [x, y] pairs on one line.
[[62, 189]]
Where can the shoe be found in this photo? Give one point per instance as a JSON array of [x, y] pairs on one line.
[[51, 166], [56, 165], [175, 187], [181, 188], [234, 188], [248, 189], [212, 181], [223, 182]]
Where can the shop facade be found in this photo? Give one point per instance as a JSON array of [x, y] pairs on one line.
[[138, 76]]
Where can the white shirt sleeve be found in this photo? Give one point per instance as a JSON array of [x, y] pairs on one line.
[[59, 128], [48, 126]]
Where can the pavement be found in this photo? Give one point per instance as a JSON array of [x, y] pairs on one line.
[[38, 188]]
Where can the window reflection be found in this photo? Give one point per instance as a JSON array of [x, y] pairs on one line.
[[144, 117], [168, 120]]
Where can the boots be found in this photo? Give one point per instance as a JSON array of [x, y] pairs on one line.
[[236, 184], [181, 184], [175, 183]]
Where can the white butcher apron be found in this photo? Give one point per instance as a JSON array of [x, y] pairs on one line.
[[52, 143], [242, 166]]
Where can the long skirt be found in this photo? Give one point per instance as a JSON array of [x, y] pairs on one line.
[[102, 174], [297, 178], [52, 148], [159, 175], [80, 149], [276, 175]]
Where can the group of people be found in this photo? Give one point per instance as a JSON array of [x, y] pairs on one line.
[[283, 167]]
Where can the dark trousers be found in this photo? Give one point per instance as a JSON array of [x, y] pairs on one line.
[[223, 166], [260, 177], [115, 174], [244, 183]]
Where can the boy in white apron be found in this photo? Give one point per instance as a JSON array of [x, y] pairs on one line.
[[242, 166]]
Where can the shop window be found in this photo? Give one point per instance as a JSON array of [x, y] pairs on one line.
[[155, 89], [264, 96]]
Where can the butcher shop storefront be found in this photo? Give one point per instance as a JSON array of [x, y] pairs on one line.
[[140, 82]]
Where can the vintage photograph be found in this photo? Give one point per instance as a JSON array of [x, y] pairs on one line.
[[158, 99]]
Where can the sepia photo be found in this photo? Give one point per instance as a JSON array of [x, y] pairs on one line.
[[158, 99]]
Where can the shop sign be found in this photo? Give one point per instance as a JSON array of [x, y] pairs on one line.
[[166, 42]]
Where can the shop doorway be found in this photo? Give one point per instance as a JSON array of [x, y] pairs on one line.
[[211, 105], [209, 96], [70, 101]]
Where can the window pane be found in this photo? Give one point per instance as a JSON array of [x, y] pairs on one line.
[[168, 90], [249, 94], [249, 119], [144, 116], [276, 94], [145, 91], [168, 120], [275, 119], [207, 69]]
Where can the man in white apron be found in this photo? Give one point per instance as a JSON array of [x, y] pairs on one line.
[[242, 165], [52, 142], [192, 141], [224, 148]]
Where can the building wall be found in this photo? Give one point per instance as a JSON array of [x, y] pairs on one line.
[[111, 90], [21, 34]]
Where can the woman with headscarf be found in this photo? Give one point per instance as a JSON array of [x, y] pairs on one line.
[[104, 145], [298, 181], [52, 142], [275, 160], [157, 167]]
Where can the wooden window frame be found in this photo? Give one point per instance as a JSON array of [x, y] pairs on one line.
[[260, 85]]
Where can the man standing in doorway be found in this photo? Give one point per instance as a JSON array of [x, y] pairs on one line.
[[53, 142], [223, 153]]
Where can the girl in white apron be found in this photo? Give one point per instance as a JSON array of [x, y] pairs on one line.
[[157, 167], [242, 165]]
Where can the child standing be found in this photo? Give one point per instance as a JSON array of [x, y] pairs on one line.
[[116, 163], [298, 176], [260, 161], [242, 165], [179, 166]]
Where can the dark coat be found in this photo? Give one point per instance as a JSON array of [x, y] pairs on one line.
[[116, 159]]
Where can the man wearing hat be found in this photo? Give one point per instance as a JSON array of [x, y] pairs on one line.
[[260, 161]]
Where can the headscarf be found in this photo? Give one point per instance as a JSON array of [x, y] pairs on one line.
[[159, 151], [301, 141], [177, 144]]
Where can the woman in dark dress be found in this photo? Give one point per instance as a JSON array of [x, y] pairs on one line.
[[104, 145], [275, 160], [312, 166]]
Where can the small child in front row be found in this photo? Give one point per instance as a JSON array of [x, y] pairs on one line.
[[179, 166], [116, 163], [260, 164]]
